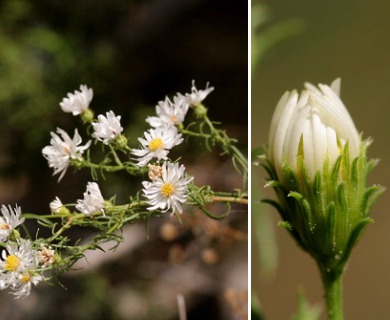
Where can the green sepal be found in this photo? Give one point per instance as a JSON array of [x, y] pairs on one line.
[[370, 196], [325, 214], [354, 237], [305, 205]]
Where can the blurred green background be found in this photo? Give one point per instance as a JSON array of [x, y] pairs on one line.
[[326, 40], [133, 54]]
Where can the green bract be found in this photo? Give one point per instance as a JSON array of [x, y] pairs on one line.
[[325, 215]]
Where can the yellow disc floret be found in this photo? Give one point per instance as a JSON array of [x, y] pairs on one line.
[[167, 190], [11, 263], [156, 144], [25, 278]]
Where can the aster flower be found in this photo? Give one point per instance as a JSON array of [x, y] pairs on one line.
[[169, 191], [157, 143], [197, 96], [77, 102], [22, 287], [18, 268], [107, 128], [93, 200], [169, 113], [10, 219], [61, 151]]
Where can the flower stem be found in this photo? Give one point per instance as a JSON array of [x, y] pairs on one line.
[[333, 287], [229, 199]]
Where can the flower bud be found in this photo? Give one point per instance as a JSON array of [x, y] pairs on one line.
[[200, 110], [87, 116], [121, 141], [315, 125], [318, 168]]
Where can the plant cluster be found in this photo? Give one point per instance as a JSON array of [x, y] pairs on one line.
[[27, 260]]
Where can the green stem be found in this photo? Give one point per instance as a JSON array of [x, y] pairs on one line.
[[333, 287], [228, 199]]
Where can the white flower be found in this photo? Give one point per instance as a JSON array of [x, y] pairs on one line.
[[77, 102], [56, 205], [18, 268], [197, 96], [22, 288], [61, 151], [315, 124], [10, 219], [157, 144], [169, 113], [169, 191], [93, 200], [107, 128]]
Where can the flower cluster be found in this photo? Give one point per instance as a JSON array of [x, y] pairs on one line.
[[168, 189], [19, 264], [23, 260]]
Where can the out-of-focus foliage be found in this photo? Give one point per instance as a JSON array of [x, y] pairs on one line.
[[305, 310], [38, 61], [265, 36]]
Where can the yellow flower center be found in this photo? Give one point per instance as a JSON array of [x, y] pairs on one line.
[[167, 190], [25, 278], [11, 263], [156, 144]]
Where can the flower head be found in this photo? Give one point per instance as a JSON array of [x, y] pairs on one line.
[[107, 128], [93, 200], [316, 125], [197, 96], [169, 113], [318, 168], [61, 151], [169, 191], [10, 219], [19, 268], [157, 143], [77, 102]]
